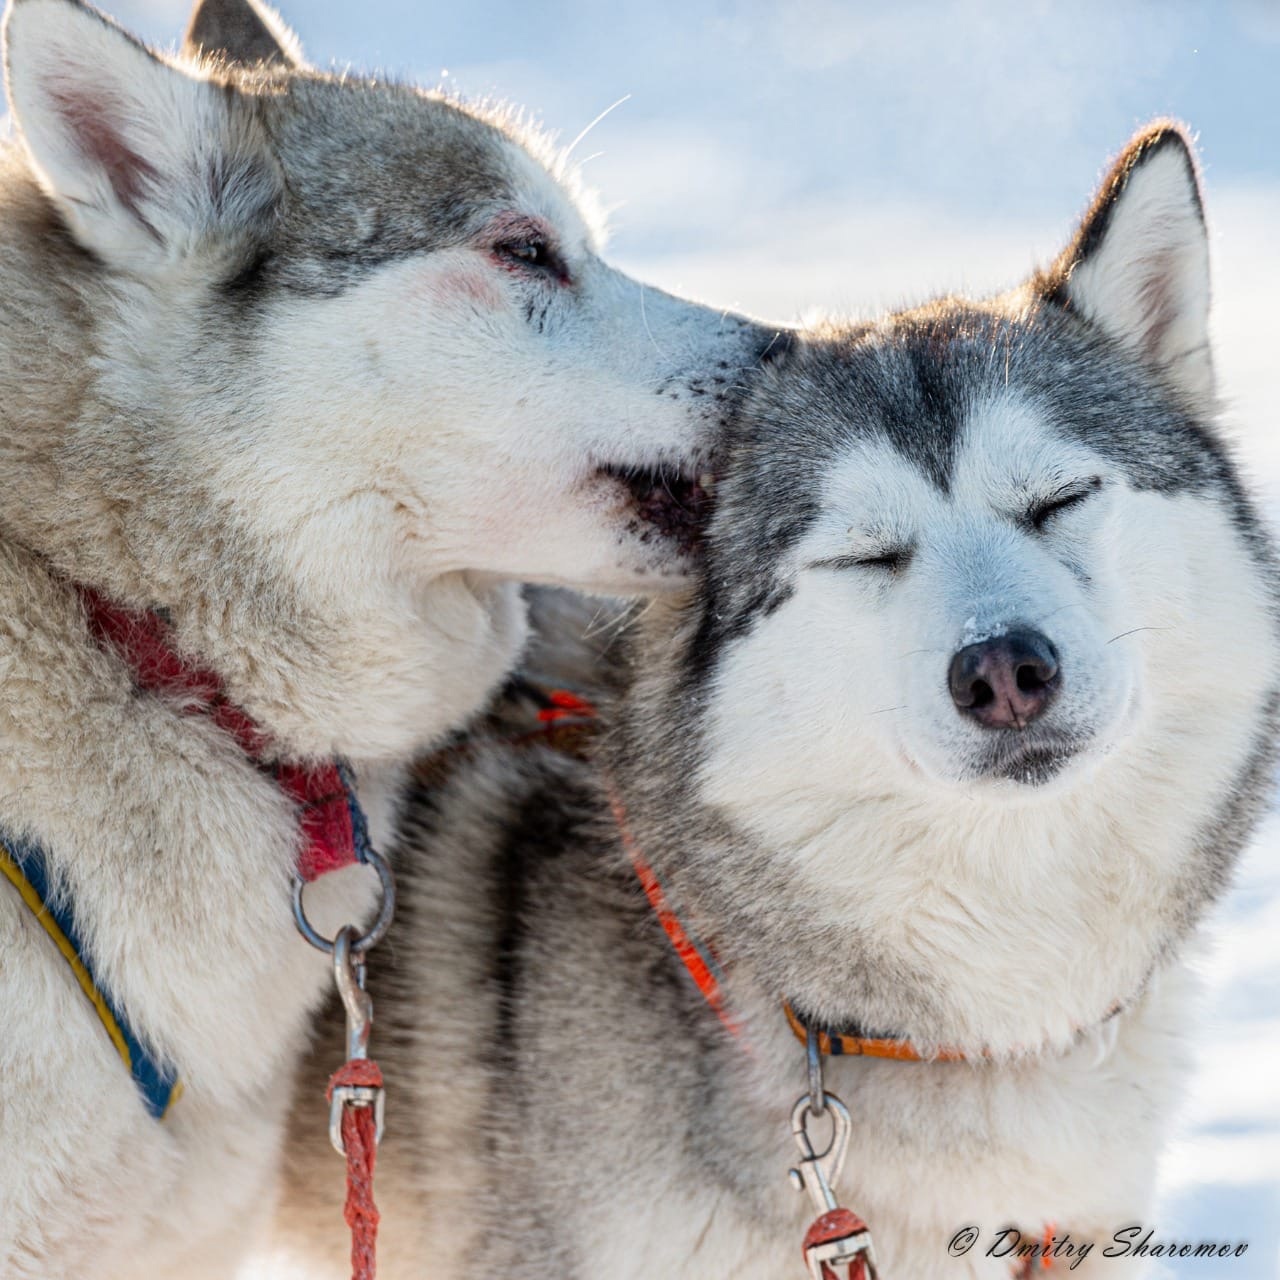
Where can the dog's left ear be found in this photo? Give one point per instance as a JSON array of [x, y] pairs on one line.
[[1139, 265], [243, 31], [146, 163]]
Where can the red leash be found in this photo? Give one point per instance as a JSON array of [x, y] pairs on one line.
[[360, 1142], [835, 1229]]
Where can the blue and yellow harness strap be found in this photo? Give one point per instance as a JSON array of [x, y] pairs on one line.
[[24, 865]]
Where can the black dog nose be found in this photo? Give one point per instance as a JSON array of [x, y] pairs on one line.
[[1007, 681]]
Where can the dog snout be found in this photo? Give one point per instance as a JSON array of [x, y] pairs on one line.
[[1007, 681]]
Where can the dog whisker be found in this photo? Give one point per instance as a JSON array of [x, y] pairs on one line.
[[568, 151], [1133, 631]]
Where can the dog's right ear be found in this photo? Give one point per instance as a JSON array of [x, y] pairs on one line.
[[145, 163], [243, 31], [1139, 264]]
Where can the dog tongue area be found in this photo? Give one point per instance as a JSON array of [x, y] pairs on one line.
[[677, 507]]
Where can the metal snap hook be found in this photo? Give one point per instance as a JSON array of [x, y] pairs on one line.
[[348, 978], [818, 1171]]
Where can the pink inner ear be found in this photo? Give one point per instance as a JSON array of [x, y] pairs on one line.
[[93, 125]]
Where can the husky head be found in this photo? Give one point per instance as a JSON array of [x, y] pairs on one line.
[[986, 652], [369, 321]]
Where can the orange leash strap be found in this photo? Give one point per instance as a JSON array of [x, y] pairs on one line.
[[696, 958]]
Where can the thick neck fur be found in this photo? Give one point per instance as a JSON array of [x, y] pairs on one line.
[[991, 924], [103, 451]]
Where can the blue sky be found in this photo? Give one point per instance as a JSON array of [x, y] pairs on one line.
[[819, 154]]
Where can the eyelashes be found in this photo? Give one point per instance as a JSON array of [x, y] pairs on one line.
[[892, 560], [1041, 513]]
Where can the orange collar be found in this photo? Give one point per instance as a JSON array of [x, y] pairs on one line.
[[702, 965], [849, 1044], [698, 959]]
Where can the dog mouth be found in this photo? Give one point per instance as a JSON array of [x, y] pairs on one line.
[[672, 503], [1029, 764]]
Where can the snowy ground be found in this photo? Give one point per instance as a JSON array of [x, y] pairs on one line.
[[782, 155]]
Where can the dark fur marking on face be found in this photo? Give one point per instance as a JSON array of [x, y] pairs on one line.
[[375, 173]]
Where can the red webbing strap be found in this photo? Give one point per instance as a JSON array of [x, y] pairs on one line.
[[563, 705], [359, 1140], [142, 639]]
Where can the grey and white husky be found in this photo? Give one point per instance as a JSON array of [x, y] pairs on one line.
[[301, 370], [957, 738]]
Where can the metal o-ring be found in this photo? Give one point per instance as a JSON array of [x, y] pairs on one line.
[[378, 930]]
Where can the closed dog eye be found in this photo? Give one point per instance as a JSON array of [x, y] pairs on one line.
[[1041, 513], [890, 560]]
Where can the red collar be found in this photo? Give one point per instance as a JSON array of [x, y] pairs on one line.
[[331, 821]]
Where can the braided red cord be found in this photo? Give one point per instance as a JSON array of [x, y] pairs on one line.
[[358, 1138]]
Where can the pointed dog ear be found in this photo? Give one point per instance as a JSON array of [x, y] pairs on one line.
[[145, 162], [243, 31], [1139, 265]]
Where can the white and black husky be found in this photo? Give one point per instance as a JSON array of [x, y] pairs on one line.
[[952, 748], [297, 373]]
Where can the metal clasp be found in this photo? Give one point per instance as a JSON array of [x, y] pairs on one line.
[[348, 977], [838, 1237], [819, 1170]]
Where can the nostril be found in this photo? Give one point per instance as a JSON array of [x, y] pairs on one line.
[[982, 693], [1029, 679]]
